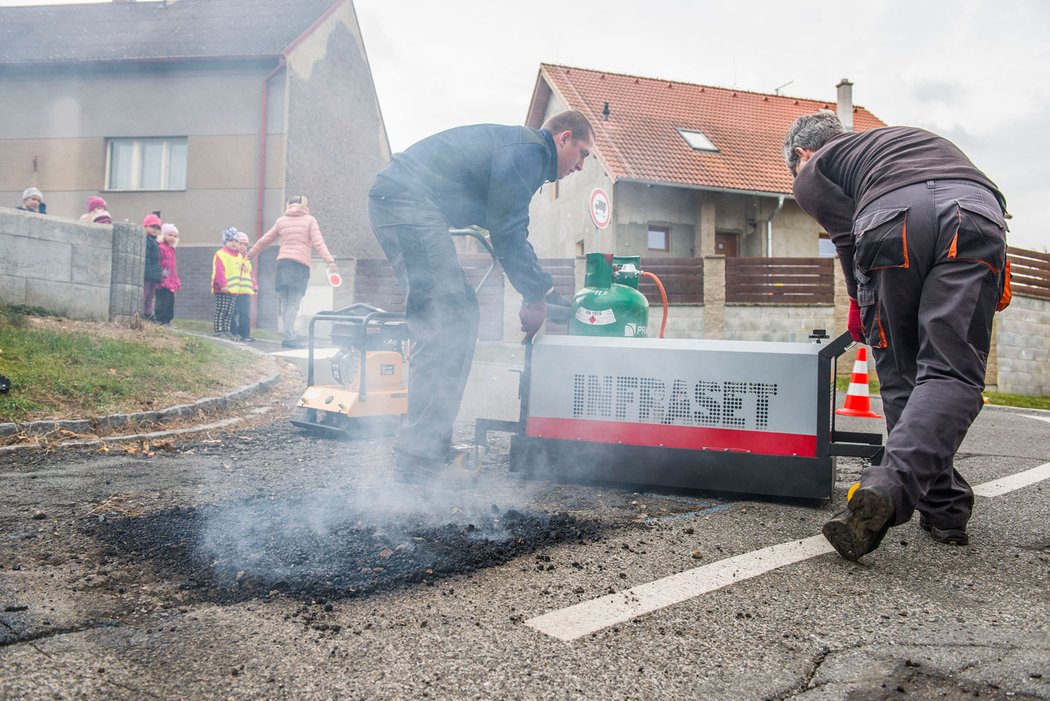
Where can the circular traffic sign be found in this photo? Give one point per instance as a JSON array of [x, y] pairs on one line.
[[601, 208]]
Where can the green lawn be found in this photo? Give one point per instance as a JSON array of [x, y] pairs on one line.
[[61, 368]]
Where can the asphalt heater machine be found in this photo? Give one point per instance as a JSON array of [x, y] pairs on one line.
[[369, 395], [608, 404]]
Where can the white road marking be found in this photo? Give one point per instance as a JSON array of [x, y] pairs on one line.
[[998, 487], [591, 616], [1037, 418]]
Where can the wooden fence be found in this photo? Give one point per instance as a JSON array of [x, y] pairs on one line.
[[794, 281], [377, 285], [682, 278], [1029, 273], [780, 281]]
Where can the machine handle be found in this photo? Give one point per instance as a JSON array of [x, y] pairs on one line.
[[475, 232]]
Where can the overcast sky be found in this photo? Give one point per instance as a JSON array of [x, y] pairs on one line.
[[974, 71]]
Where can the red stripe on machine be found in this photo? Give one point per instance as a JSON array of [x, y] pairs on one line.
[[684, 437]]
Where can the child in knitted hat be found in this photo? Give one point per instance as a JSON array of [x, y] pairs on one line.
[[226, 282], [242, 315], [169, 271], [96, 212], [151, 276], [33, 201]]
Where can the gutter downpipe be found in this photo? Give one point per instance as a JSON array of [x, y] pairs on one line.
[[769, 227], [261, 186], [264, 125]]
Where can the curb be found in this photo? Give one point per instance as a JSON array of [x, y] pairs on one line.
[[117, 421]]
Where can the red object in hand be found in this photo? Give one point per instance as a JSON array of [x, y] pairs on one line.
[[532, 315], [856, 329], [335, 279]]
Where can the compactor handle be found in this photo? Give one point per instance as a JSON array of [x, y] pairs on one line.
[[476, 232]]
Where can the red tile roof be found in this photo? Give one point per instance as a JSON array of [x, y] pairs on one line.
[[640, 140]]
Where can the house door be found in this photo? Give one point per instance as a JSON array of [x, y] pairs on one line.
[[726, 245]]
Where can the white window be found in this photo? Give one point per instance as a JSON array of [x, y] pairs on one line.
[[698, 140], [659, 238], [146, 164]]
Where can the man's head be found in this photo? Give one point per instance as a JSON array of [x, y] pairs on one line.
[[31, 199], [573, 139], [807, 135]]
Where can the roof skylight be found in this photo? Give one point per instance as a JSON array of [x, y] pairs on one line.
[[697, 140]]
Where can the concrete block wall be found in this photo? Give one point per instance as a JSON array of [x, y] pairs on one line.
[[128, 267], [69, 268], [1021, 362], [791, 324]]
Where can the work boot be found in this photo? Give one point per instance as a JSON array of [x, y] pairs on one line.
[[950, 536], [860, 527], [414, 469]]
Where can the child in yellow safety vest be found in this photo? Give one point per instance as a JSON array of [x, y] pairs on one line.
[[242, 314], [227, 282]]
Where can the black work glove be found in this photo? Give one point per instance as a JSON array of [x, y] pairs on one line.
[[559, 309], [532, 315]]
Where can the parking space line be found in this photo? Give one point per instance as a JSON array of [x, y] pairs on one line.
[[587, 617]]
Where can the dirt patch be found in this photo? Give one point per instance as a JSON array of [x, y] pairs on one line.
[[305, 549]]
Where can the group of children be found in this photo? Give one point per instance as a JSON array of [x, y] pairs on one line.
[[161, 276], [233, 280], [233, 283]]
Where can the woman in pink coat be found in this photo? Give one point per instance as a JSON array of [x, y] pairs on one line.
[[298, 234]]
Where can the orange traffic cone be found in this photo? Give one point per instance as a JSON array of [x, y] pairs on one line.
[[858, 402]]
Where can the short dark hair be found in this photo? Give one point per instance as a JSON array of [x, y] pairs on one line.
[[570, 120], [810, 131]]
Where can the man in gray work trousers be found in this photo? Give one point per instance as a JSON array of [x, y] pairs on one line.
[[484, 175], [921, 235]]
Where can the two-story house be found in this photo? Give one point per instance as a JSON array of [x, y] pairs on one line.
[[209, 111], [688, 170]]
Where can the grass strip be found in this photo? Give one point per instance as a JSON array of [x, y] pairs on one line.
[[61, 368]]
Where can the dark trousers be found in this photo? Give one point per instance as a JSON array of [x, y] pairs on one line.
[[165, 305], [929, 261], [242, 316], [149, 293], [442, 315], [225, 304]]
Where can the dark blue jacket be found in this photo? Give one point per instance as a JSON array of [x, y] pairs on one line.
[[485, 174], [152, 272]]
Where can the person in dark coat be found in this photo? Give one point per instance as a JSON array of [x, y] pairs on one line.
[[484, 175], [152, 275], [921, 235]]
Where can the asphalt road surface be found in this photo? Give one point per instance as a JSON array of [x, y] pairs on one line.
[[256, 562]]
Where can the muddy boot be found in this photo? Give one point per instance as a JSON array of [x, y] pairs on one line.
[[860, 528]]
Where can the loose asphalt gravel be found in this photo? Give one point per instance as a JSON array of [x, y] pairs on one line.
[[254, 561]]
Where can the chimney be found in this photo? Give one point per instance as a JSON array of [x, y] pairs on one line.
[[844, 103]]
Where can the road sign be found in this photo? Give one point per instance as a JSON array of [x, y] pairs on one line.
[[601, 208]]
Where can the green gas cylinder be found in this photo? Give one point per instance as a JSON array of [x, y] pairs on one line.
[[607, 308]]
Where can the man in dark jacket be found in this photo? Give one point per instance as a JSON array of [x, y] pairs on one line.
[[484, 175], [921, 235]]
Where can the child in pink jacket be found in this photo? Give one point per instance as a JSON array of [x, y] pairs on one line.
[[298, 234], [169, 271]]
